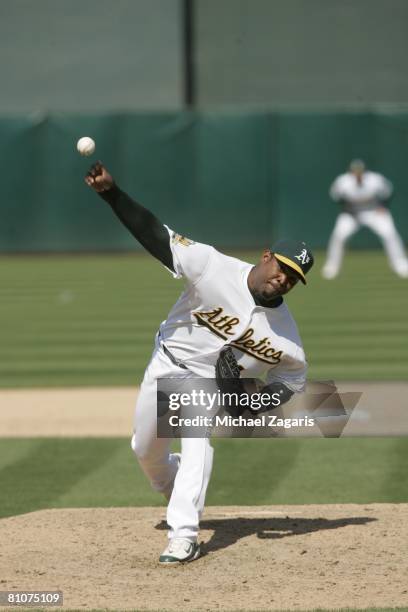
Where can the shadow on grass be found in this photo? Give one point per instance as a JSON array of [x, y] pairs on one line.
[[228, 531]]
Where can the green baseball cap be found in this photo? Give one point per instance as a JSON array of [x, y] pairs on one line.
[[296, 255]]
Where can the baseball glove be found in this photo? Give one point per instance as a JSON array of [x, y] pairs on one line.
[[227, 374], [226, 366]]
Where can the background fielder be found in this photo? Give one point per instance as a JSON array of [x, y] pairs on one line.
[[363, 196], [226, 302]]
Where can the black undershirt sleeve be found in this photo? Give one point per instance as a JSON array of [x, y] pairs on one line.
[[144, 226]]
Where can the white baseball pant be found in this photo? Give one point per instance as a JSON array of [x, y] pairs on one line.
[[185, 482], [382, 224]]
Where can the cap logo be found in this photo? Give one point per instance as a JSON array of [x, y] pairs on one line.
[[303, 257]]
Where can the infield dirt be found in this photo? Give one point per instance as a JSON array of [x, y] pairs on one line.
[[263, 558], [108, 411]]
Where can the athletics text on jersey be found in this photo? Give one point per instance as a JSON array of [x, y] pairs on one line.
[[217, 308]]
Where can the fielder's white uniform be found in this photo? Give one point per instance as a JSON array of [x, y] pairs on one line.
[[362, 202], [215, 309]]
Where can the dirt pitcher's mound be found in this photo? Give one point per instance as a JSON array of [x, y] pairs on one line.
[[267, 558]]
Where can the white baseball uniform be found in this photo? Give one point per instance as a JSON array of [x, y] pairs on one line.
[[215, 309], [362, 206]]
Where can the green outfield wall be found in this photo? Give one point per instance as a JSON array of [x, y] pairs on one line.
[[235, 180]]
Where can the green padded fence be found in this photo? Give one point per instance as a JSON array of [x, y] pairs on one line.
[[232, 180]]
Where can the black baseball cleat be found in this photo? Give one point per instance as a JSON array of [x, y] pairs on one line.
[[180, 550]]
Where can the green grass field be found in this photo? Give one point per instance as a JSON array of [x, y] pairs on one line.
[[90, 320], [59, 473]]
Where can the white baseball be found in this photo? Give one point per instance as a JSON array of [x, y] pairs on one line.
[[86, 146]]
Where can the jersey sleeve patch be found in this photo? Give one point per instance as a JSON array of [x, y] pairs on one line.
[[179, 239], [190, 259]]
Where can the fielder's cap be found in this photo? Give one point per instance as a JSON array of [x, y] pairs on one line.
[[295, 255]]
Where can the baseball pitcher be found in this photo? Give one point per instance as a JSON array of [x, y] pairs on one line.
[[230, 322]]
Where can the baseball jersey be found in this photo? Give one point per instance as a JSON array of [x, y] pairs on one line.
[[357, 197], [217, 308]]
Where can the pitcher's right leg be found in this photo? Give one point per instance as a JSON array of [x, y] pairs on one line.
[[159, 465]]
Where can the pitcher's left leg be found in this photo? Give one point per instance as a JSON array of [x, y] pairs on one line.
[[190, 486]]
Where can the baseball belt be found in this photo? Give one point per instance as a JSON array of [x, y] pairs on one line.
[[173, 358]]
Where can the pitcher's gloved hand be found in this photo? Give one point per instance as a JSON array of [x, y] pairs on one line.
[[227, 374], [226, 366]]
